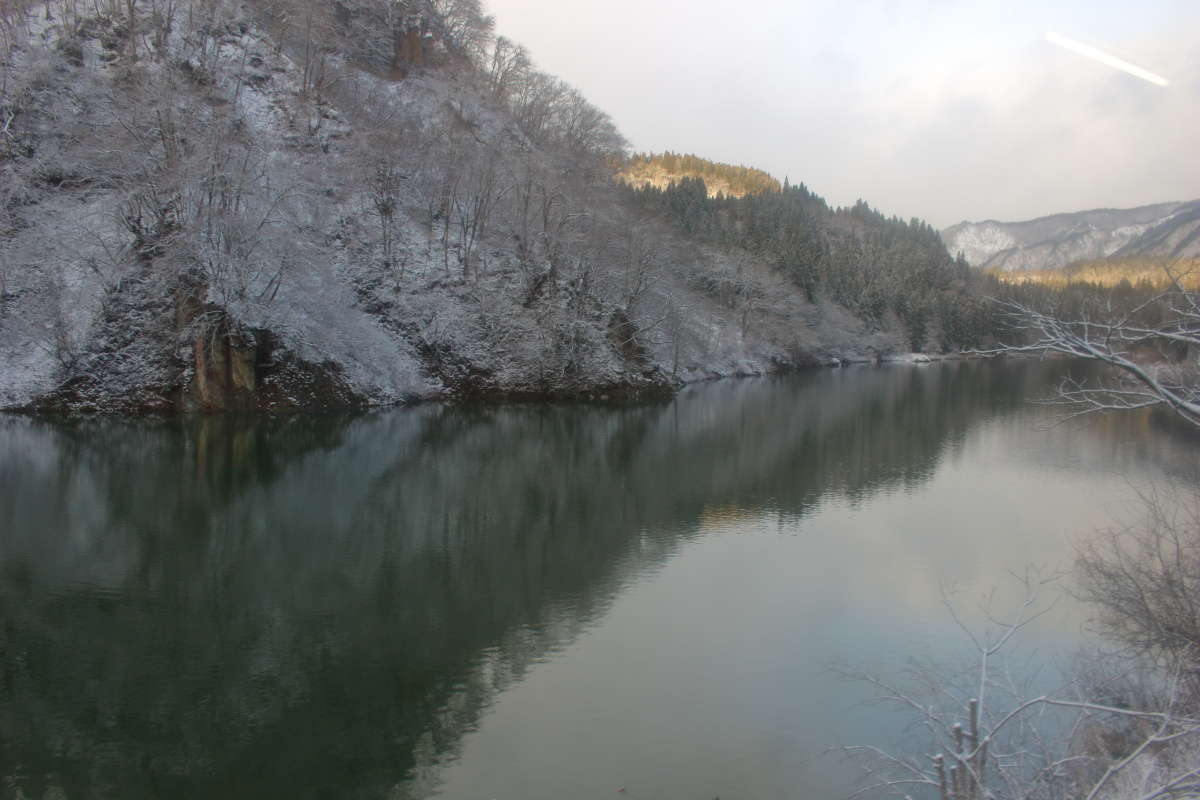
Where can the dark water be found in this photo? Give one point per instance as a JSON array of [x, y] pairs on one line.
[[522, 602]]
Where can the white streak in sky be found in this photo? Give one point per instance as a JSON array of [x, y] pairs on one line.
[[1096, 54]]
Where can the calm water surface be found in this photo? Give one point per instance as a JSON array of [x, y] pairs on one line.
[[530, 602]]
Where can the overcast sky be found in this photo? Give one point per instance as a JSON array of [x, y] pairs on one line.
[[942, 109]]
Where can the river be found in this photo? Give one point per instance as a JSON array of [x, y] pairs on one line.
[[528, 602]]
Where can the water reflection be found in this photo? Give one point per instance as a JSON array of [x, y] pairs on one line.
[[323, 607]]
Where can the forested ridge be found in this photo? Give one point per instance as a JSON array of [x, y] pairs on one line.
[[662, 169], [874, 265]]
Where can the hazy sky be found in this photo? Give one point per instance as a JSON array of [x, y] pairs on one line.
[[943, 109]]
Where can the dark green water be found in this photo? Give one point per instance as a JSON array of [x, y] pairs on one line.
[[527, 602]]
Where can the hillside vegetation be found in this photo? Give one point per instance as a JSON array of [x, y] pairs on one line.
[[661, 170], [284, 204], [1145, 274], [890, 272]]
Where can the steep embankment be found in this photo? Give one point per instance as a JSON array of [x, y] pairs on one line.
[[1165, 230], [216, 211]]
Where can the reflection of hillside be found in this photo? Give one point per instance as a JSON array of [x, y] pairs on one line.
[[320, 607]]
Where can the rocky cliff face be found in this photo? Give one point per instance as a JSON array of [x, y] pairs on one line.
[[1166, 230]]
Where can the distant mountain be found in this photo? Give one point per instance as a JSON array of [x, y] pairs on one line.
[[662, 170], [1164, 230]]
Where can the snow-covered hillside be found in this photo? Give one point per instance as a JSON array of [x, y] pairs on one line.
[[1165, 230], [214, 217]]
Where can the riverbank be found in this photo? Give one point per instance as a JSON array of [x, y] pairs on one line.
[[301, 388]]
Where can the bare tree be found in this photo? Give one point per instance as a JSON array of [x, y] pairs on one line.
[[14, 21], [162, 16], [383, 184], [675, 329], [233, 214], [510, 67], [1153, 348], [518, 213], [536, 104], [4, 271], [464, 27], [478, 191], [1144, 577], [131, 21], [585, 129], [547, 229], [637, 258], [991, 739]]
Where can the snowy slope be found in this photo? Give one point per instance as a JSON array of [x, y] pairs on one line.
[[199, 228], [1162, 230]]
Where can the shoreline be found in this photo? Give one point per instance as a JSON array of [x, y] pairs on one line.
[[604, 394]]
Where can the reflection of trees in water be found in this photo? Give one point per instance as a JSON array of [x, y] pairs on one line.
[[310, 607]]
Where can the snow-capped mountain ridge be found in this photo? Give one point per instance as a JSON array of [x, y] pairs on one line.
[[1166, 230]]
